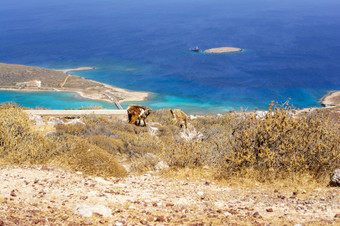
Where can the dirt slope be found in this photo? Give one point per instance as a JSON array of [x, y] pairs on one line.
[[46, 196]]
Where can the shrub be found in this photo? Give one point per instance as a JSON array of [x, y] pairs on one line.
[[280, 145], [112, 146], [19, 143], [79, 155]]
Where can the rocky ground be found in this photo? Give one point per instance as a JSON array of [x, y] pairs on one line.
[[48, 196]]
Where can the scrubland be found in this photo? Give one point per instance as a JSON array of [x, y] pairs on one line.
[[283, 147]]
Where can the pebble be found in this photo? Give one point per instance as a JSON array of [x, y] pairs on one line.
[[227, 214], [200, 193]]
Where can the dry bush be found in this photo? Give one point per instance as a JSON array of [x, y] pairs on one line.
[[73, 129], [188, 154], [19, 143], [281, 146], [162, 116], [81, 156], [111, 145]]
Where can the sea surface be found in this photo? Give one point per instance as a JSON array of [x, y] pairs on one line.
[[291, 49]]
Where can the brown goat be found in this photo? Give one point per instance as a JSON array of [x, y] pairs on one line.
[[137, 113], [180, 118]]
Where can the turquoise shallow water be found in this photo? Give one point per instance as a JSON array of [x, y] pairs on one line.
[[51, 100], [292, 48]]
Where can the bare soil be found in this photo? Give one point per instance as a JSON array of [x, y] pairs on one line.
[[47, 196]]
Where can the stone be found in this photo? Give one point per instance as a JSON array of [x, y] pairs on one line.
[[227, 214], [200, 193], [87, 211], [83, 210], [160, 219], [161, 165], [335, 178], [37, 119], [13, 194], [102, 181], [75, 121], [257, 215]]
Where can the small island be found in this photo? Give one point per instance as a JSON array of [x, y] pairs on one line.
[[223, 50], [33, 79]]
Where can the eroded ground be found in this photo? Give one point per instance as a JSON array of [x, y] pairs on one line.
[[47, 196]]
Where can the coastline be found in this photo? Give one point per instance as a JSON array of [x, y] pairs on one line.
[[75, 69], [331, 99], [123, 95], [60, 80]]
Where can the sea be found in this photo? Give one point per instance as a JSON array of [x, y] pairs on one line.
[[291, 50]]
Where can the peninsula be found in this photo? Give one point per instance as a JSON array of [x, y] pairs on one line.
[[331, 99], [223, 50], [32, 79]]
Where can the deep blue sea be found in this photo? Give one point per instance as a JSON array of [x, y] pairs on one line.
[[291, 48]]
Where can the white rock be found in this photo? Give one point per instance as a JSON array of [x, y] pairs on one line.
[[227, 214], [219, 205], [37, 119], [119, 224], [101, 180], [102, 210], [200, 193], [75, 121], [87, 211], [83, 210], [192, 117], [335, 178], [161, 165], [153, 130]]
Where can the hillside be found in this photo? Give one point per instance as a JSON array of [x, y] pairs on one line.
[[244, 168], [10, 74]]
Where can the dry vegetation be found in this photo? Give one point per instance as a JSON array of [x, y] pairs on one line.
[[232, 145], [20, 144], [10, 74]]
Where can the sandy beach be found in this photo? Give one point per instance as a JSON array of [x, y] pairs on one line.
[[223, 50], [76, 69]]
